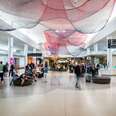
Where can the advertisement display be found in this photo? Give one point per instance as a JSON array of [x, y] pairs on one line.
[[21, 62]]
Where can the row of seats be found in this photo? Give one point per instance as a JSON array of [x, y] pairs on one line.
[[98, 79]]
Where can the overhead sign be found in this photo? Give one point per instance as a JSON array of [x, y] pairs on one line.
[[112, 43], [35, 54]]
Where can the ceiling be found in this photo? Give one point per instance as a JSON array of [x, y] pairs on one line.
[[18, 44], [36, 34]]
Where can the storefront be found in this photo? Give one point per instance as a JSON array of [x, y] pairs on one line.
[[36, 58], [57, 63], [97, 59]]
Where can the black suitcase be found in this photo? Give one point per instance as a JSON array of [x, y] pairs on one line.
[[88, 78], [41, 75]]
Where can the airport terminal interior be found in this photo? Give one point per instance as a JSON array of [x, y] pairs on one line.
[[57, 57]]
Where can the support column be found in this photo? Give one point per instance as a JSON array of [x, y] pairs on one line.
[[25, 53], [88, 50], [96, 60], [34, 50], [96, 47], [10, 49], [109, 58]]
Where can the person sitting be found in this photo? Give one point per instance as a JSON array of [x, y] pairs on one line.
[[20, 80], [28, 70], [34, 75], [15, 77], [41, 71]]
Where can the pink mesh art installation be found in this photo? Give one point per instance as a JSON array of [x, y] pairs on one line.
[[68, 21], [71, 45], [76, 15]]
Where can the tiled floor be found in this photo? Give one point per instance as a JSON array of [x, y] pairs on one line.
[[58, 97]]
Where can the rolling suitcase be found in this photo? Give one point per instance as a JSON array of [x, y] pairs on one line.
[[88, 78]]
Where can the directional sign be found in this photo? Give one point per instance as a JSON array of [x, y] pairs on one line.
[[112, 43]]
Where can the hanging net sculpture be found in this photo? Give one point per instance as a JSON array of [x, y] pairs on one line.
[[70, 45], [75, 15]]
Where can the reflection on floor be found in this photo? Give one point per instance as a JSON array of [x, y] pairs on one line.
[[58, 97]]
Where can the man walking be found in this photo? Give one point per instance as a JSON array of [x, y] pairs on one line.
[[1, 71], [77, 72]]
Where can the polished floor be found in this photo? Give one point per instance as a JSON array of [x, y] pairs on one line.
[[58, 97]]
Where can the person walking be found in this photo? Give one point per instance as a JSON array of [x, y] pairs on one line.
[[97, 69], [1, 71], [5, 70], [45, 70], [77, 72], [11, 72], [93, 70]]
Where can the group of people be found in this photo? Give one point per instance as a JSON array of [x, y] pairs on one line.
[[40, 70], [27, 76], [31, 73]]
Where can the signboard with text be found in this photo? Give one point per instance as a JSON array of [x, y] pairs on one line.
[[112, 43]]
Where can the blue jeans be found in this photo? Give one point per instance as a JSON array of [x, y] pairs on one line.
[[77, 81]]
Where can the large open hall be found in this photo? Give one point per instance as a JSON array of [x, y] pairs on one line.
[[57, 57]]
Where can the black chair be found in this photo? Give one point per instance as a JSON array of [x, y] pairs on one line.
[[102, 80]]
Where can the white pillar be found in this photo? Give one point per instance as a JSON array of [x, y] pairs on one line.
[[96, 47], [109, 58], [10, 48], [88, 50], [34, 50], [25, 53]]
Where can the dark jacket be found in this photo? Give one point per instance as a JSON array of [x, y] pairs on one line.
[[77, 70]]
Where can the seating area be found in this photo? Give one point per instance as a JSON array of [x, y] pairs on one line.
[[98, 79], [102, 80], [25, 83]]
